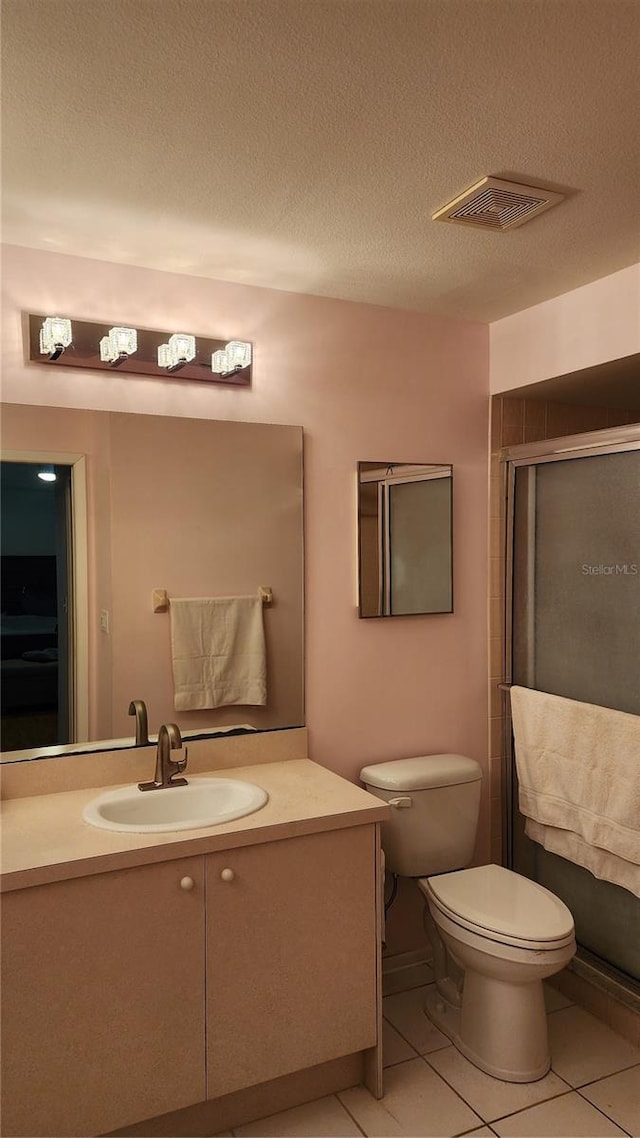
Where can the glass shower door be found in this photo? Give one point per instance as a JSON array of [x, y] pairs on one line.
[[576, 633]]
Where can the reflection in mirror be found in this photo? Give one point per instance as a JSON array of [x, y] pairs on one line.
[[404, 538], [35, 520], [198, 507]]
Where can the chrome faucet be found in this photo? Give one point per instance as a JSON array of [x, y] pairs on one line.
[[138, 708], [169, 739]]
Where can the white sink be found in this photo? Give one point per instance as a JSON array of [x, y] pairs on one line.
[[203, 802]]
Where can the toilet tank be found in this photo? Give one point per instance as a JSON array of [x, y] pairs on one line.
[[435, 802]]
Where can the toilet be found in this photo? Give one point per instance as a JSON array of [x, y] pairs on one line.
[[495, 935]]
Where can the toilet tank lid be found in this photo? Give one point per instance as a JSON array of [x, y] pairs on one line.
[[424, 772]]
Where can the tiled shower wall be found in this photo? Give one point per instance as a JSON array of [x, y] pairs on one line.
[[515, 421]]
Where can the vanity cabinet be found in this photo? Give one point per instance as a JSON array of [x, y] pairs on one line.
[[125, 996], [102, 999], [291, 956]]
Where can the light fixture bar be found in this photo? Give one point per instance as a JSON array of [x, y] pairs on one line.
[[141, 352]]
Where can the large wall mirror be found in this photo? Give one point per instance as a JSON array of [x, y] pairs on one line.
[[197, 507], [404, 538]]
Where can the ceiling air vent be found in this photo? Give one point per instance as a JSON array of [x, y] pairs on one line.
[[494, 204]]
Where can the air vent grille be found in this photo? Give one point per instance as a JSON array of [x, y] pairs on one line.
[[495, 204]]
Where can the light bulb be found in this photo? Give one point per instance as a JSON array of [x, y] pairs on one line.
[[55, 336], [120, 342], [164, 356], [182, 348], [220, 362], [47, 474], [238, 353]]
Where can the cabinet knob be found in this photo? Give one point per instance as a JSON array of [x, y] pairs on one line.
[[227, 875], [187, 883]]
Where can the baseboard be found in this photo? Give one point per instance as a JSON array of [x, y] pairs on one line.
[[242, 1107], [404, 970], [619, 987], [578, 983]]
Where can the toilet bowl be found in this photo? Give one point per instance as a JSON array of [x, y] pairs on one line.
[[507, 934], [495, 935]]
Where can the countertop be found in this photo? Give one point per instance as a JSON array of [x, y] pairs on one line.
[[45, 839]]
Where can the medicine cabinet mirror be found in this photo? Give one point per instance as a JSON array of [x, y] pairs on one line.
[[404, 538]]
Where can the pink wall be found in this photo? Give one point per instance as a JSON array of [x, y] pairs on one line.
[[366, 383], [588, 326], [204, 508]]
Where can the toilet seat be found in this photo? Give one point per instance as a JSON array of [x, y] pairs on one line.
[[500, 905]]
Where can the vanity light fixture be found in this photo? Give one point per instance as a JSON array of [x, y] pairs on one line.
[[180, 350], [118, 345], [139, 351], [55, 336], [227, 361]]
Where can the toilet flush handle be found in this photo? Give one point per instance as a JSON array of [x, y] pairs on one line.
[[401, 803]]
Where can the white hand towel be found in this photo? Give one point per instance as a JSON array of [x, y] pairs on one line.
[[218, 652], [579, 772]]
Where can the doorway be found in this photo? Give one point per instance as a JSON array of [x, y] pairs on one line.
[[36, 642]]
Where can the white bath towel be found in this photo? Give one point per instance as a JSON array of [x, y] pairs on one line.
[[603, 865], [579, 777], [218, 652]]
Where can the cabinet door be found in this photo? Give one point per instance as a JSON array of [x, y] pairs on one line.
[[102, 1000], [291, 956]]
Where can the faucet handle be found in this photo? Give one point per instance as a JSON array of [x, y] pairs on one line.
[[178, 767]]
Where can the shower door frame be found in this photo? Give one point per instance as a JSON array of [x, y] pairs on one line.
[[614, 440]]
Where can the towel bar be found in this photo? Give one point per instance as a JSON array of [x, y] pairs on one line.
[[160, 599]]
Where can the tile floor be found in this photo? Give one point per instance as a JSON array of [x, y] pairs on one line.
[[593, 1088]]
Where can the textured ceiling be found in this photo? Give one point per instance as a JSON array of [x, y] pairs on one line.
[[304, 144]]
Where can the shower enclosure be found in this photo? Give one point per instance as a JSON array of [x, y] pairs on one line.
[[573, 629]]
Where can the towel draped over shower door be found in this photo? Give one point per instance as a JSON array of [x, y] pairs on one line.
[[579, 782]]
